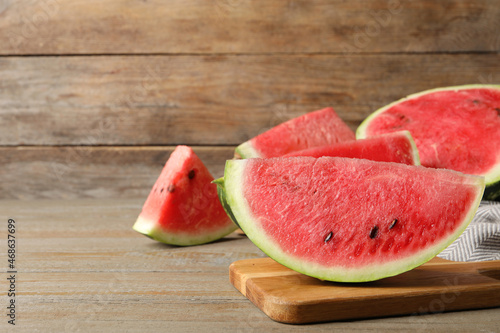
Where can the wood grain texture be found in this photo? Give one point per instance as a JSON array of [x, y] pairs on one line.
[[81, 267], [244, 26], [91, 172], [95, 94], [209, 100], [290, 297]]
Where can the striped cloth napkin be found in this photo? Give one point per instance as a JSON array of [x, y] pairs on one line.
[[481, 240]]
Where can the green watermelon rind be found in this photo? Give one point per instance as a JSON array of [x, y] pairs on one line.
[[152, 230], [492, 192], [247, 150], [234, 175], [221, 193], [492, 178]]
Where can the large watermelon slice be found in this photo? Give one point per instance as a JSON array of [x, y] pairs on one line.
[[183, 207], [349, 220], [456, 128], [396, 147], [313, 129]]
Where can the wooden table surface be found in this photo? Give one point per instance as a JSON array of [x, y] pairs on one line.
[[81, 267]]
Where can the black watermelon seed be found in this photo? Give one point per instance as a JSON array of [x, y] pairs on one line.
[[498, 111], [328, 237], [161, 191], [393, 224], [374, 232], [171, 188], [475, 101], [191, 174]]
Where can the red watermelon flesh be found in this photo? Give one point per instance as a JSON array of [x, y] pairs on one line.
[[183, 207], [456, 128], [397, 147], [349, 220], [310, 130]]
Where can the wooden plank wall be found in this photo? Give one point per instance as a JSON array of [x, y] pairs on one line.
[[94, 95]]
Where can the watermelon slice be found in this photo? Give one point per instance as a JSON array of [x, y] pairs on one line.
[[183, 207], [313, 129], [349, 220], [456, 128], [396, 147]]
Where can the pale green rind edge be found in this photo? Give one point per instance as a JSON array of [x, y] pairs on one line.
[[247, 150], [153, 230], [415, 154], [491, 178], [234, 182]]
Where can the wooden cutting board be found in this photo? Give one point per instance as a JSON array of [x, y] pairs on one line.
[[437, 286]]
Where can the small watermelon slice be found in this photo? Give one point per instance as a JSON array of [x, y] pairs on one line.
[[397, 147], [456, 128], [313, 129], [349, 220], [183, 207]]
